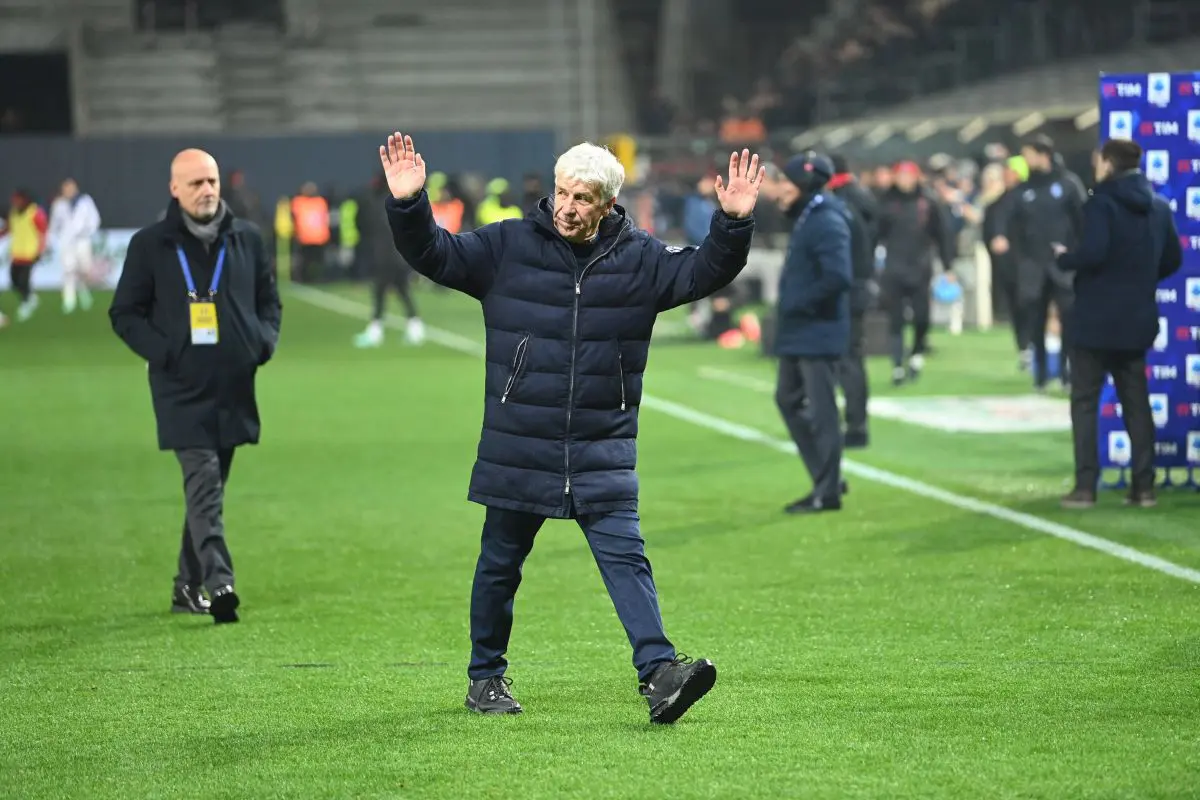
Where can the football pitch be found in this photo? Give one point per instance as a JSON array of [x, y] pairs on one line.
[[952, 633]]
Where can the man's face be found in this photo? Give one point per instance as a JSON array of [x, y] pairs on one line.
[[578, 209], [786, 194], [1039, 162], [69, 189], [883, 178], [19, 201], [196, 184], [707, 186], [906, 180], [1102, 169]]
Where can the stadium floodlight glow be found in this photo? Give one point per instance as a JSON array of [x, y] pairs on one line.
[[922, 130], [1088, 119], [973, 130], [1028, 123], [838, 137], [878, 135]]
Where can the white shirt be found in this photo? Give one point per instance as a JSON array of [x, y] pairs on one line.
[[73, 221]]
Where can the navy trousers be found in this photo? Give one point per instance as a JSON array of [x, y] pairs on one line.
[[616, 543]]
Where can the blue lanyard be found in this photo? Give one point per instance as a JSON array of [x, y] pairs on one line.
[[187, 272]]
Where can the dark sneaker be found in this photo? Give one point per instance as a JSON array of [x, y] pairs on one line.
[[491, 696], [675, 687], [1142, 499], [189, 600], [224, 605], [1078, 499], [855, 440]]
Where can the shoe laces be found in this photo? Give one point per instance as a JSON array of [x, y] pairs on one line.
[[497, 687]]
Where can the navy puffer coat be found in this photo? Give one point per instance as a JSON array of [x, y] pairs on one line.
[[566, 344]]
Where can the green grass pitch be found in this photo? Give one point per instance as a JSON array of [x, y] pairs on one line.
[[904, 648]]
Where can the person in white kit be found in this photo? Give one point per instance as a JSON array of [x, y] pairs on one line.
[[74, 220]]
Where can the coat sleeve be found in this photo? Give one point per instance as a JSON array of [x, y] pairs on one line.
[[1092, 249], [1172, 254], [941, 230], [133, 303], [266, 300], [684, 275], [466, 262], [831, 256]]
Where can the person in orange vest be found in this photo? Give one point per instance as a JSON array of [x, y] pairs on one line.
[[26, 230], [310, 212]]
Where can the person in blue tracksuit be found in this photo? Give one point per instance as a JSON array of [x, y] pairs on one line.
[[813, 329], [570, 294]]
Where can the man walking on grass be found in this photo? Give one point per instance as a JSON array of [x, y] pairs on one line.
[[570, 294]]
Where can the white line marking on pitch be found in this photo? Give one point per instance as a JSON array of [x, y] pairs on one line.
[[462, 344]]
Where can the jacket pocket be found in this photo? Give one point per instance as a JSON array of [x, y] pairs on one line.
[[621, 376], [520, 357]]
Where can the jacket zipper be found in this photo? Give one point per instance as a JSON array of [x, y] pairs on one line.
[[574, 346], [517, 363], [621, 375]]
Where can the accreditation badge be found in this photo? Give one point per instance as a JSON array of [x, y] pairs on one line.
[[204, 322]]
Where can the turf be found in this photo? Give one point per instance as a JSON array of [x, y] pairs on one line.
[[903, 648]]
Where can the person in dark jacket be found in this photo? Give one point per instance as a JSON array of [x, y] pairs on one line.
[[864, 230], [570, 294], [388, 270], [912, 224], [813, 328], [1048, 208], [197, 301], [1129, 244], [998, 199]]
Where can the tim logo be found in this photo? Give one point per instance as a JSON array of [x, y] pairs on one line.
[[1160, 341], [1189, 242], [1170, 449], [1160, 410], [1187, 334], [1166, 297], [1158, 166], [1159, 129], [1158, 89], [1189, 89], [1192, 206], [1123, 89], [1193, 126], [1110, 410], [1193, 443], [1162, 373], [1191, 371], [1118, 448], [1191, 293], [1120, 125]]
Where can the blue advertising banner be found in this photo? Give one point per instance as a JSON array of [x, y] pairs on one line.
[[1161, 112]]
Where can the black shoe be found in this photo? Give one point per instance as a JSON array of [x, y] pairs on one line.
[[224, 605], [189, 600], [675, 687], [1142, 498], [855, 440], [806, 504], [491, 696], [814, 505]]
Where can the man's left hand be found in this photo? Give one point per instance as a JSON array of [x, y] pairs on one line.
[[738, 195], [1059, 249]]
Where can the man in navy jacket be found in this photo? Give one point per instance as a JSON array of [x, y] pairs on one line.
[[570, 294], [1129, 244], [813, 332]]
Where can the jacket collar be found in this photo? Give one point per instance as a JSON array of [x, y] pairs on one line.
[[177, 232]]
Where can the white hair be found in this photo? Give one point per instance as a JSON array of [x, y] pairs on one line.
[[594, 165]]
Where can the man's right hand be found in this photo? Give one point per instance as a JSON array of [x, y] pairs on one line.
[[402, 166], [1000, 245]]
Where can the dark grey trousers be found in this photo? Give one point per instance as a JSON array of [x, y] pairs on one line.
[[1128, 370], [204, 558], [806, 395], [852, 371]]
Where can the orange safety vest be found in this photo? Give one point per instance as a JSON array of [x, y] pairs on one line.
[[448, 214], [27, 232], [312, 220]]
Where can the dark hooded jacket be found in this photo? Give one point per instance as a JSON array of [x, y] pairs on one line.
[[568, 336], [1129, 243]]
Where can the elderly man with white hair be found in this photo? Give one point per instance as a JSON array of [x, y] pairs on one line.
[[570, 294]]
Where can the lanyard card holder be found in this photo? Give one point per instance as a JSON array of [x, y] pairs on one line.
[[202, 313]]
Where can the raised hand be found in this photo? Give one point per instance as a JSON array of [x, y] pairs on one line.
[[738, 196], [403, 166]]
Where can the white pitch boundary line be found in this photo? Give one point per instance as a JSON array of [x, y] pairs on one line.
[[462, 344]]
